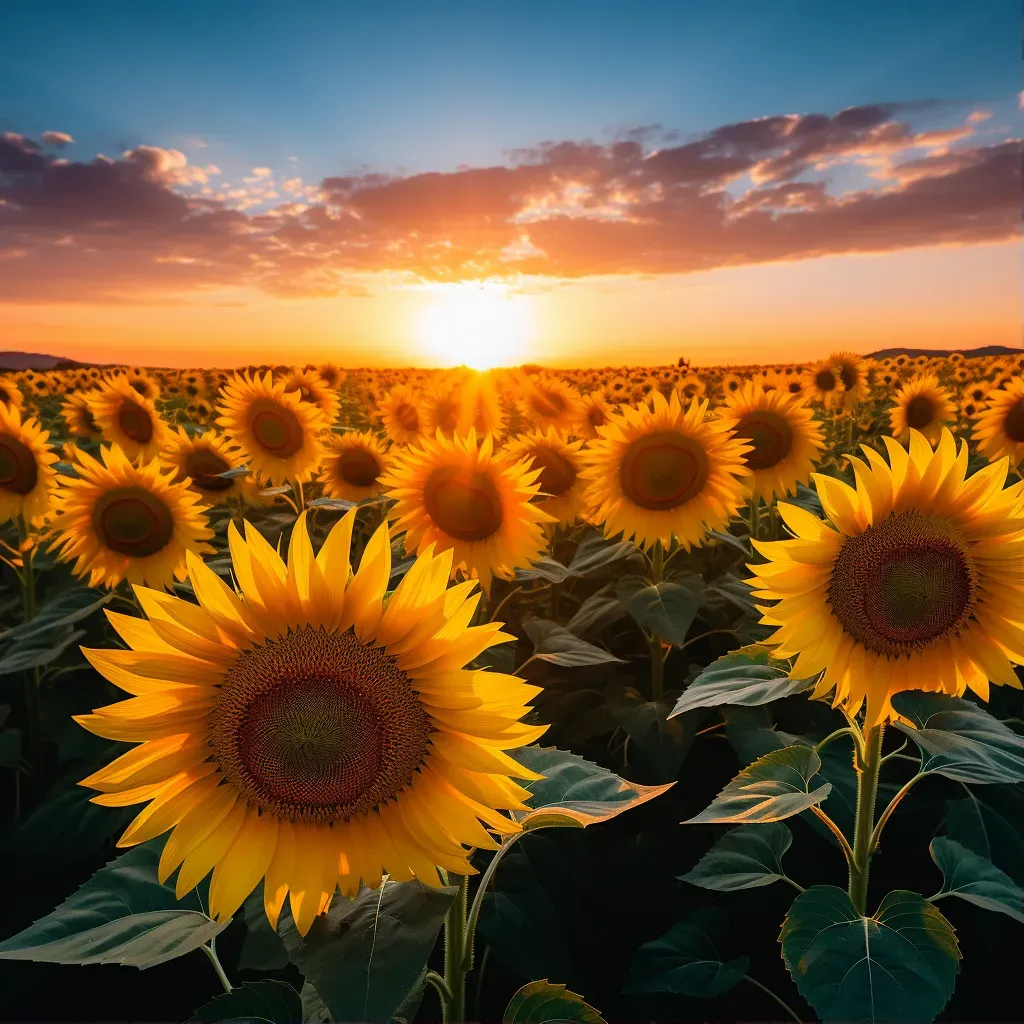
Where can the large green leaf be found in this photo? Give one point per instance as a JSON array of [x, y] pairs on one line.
[[554, 643], [575, 793], [686, 959], [70, 606], [986, 825], [273, 1002], [541, 1002], [775, 786], [960, 740], [665, 609], [38, 649], [122, 915], [366, 954], [599, 610], [746, 677], [657, 743], [746, 857], [976, 879], [900, 964], [596, 556], [543, 569]]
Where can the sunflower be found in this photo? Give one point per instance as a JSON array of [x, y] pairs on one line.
[[559, 462], [10, 394], [275, 430], [78, 416], [852, 372], [313, 388], [201, 460], [924, 405], [27, 477], [127, 419], [310, 731], [784, 438], [399, 413], [550, 402], [123, 520], [912, 584], [596, 413], [481, 408], [441, 410], [999, 430], [661, 471], [330, 374], [454, 493], [144, 384], [352, 466], [823, 383]]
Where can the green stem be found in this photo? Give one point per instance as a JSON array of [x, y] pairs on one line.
[[822, 744], [876, 833], [754, 521], [771, 995], [455, 935], [478, 898], [657, 652], [864, 823], [211, 951]]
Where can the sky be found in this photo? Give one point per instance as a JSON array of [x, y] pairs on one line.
[[569, 184]]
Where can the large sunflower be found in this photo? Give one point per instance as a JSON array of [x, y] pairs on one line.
[[352, 466], [550, 402], [559, 462], [924, 405], [122, 520], [660, 471], [783, 436], [913, 584], [399, 412], [202, 459], [311, 731], [78, 416], [313, 388], [128, 419], [27, 477], [275, 429], [999, 430], [455, 494]]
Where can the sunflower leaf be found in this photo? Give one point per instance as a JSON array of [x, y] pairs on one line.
[[774, 787], [70, 606], [575, 793], [37, 650], [595, 555], [331, 504], [744, 677], [685, 960], [746, 857], [367, 953], [122, 915], [976, 879], [264, 1000], [900, 964], [554, 643], [543, 569], [985, 826], [665, 609], [541, 1002], [960, 740], [660, 744]]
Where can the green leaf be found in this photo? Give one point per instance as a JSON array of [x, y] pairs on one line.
[[37, 650], [976, 879], [775, 786], [987, 828], [746, 677], [65, 469], [543, 569], [595, 556], [746, 857], [313, 1007], [575, 793], [660, 744], [262, 948], [366, 954], [685, 960], [122, 915], [664, 609], [554, 643], [70, 606], [900, 964], [328, 504], [10, 748], [599, 610], [272, 1001], [960, 740], [541, 1002]]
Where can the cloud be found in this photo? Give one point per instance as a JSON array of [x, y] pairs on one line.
[[644, 203], [57, 138]]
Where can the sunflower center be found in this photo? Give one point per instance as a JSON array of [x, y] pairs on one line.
[[132, 521], [205, 467], [277, 430], [141, 387], [1014, 422], [548, 403], [596, 416], [463, 503], [824, 380], [663, 470], [135, 422], [407, 416], [920, 412], [317, 726], [557, 473], [849, 376], [18, 470], [446, 415], [771, 436], [358, 467], [903, 584]]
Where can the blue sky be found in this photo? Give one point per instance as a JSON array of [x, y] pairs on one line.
[[417, 86]]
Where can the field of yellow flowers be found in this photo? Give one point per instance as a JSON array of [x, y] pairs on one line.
[[638, 693]]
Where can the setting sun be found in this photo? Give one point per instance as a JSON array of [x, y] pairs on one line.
[[476, 325]]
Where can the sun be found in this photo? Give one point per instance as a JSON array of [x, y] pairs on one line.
[[479, 325]]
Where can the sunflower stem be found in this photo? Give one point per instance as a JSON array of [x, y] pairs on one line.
[[455, 937], [658, 652], [867, 766], [754, 522], [211, 951]]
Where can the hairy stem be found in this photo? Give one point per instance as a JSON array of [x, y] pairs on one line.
[[867, 791], [455, 953]]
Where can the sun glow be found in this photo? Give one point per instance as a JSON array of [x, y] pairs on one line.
[[477, 325]]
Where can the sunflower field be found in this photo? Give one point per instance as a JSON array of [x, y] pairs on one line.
[[626, 694]]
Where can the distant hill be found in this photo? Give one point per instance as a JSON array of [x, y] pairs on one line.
[[967, 353], [39, 361]]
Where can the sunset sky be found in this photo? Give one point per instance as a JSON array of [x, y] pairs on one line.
[[563, 183]]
